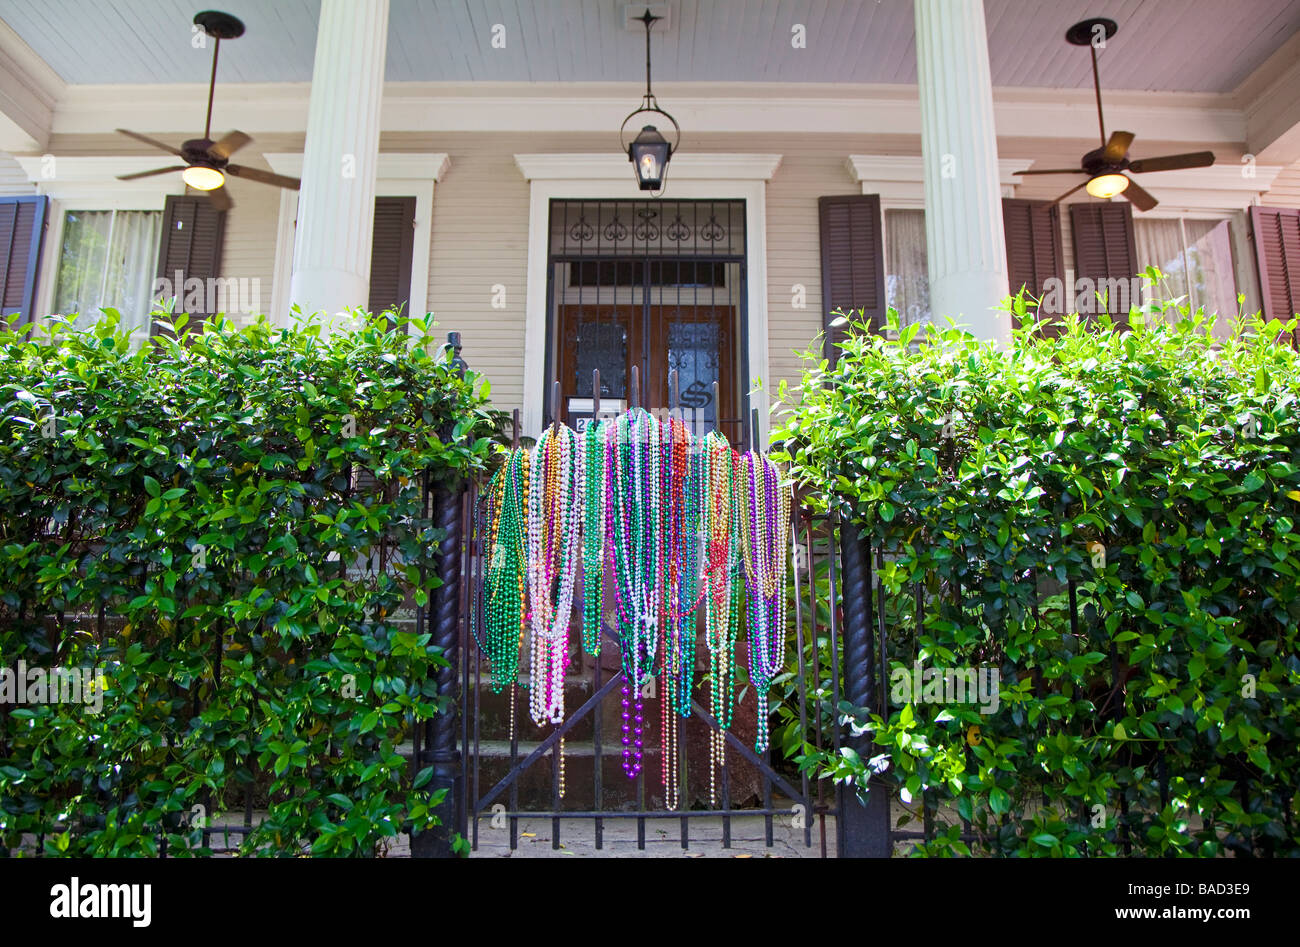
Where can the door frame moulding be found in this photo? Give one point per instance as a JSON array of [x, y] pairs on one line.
[[718, 176]]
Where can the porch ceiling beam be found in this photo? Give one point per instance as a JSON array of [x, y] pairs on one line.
[[29, 90], [598, 107], [1270, 101]]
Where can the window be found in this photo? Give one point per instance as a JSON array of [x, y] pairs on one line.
[[1196, 258], [107, 260], [907, 281], [1033, 233], [661, 273]]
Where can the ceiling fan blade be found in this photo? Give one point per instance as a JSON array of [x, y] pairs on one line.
[[220, 198], [1054, 171], [1139, 196], [1077, 187], [228, 145], [1195, 159], [1117, 147], [149, 174], [152, 141], [263, 177]]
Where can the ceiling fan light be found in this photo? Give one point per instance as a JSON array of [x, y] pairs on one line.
[[203, 178], [1107, 185]]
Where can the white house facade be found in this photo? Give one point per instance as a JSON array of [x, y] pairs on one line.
[[464, 159]]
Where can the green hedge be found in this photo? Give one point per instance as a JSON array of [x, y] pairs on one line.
[[184, 521], [1168, 723]]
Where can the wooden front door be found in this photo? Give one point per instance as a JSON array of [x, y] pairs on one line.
[[696, 341]]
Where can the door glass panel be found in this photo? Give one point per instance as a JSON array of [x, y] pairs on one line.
[[603, 346], [693, 352]]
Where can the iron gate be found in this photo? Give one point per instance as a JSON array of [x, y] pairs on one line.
[[512, 769]]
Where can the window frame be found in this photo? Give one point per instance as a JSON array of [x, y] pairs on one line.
[[58, 211]]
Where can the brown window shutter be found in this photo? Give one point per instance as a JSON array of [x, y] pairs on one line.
[[190, 248], [22, 225], [1276, 232], [1105, 249], [853, 262], [1034, 252], [390, 257]]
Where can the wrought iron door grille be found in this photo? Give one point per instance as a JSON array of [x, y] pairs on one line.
[[659, 285]]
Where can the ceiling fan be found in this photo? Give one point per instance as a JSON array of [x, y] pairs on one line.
[[1108, 167], [207, 162]]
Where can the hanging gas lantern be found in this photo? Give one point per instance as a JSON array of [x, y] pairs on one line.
[[650, 152]]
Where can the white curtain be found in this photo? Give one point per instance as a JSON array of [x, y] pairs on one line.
[[108, 259], [1209, 260], [907, 284], [1160, 244]]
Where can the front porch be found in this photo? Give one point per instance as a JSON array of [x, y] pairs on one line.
[[441, 202]]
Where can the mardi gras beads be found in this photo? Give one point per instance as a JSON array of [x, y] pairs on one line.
[[554, 517], [720, 477], [669, 521], [634, 556], [593, 537], [682, 541], [765, 525], [505, 514]]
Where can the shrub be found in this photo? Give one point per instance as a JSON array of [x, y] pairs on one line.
[[188, 520], [1156, 471]]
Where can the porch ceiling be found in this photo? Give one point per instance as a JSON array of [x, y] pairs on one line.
[[1163, 45]]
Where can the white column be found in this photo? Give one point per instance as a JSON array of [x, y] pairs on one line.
[[336, 207], [966, 250]]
